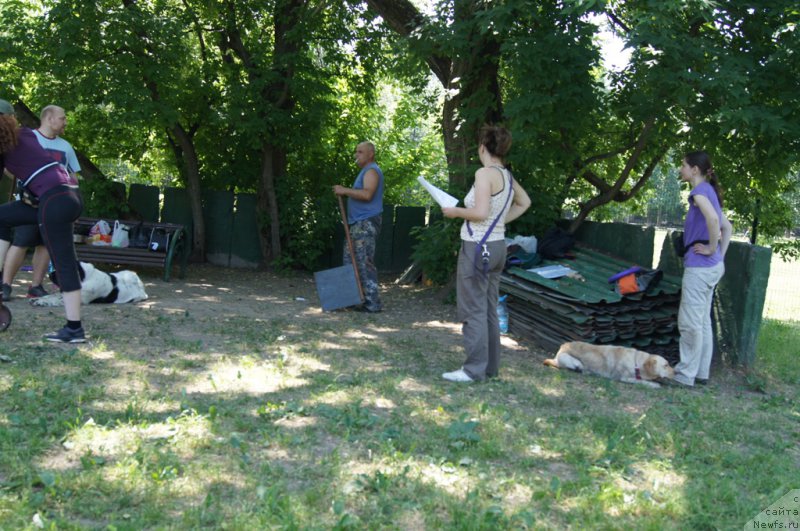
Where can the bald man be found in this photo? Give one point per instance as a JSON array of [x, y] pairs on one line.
[[364, 212]]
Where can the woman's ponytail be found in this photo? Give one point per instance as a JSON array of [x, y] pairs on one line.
[[714, 182]]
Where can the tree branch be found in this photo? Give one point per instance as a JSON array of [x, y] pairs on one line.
[[648, 171], [613, 193], [402, 17], [231, 39], [608, 155], [592, 178], [617, 21], [634, 158]]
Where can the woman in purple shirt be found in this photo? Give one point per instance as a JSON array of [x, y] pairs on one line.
[[59, 205], [706, 235]]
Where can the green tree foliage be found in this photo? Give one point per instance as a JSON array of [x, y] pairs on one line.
[[163, 90], [127, 70], [733, 91], [271, 96], [720, 76]]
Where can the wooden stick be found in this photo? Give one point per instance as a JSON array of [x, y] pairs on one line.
[[350, 248]]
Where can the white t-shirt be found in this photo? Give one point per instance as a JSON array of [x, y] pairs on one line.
[[60, 150]]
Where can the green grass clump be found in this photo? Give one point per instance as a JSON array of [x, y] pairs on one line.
[[779, 350]]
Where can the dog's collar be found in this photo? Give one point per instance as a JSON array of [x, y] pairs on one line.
[[636, 372]]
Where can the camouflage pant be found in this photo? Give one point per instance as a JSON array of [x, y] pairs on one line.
[[364, 235]]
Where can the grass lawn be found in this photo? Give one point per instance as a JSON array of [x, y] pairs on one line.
[[233, 402]]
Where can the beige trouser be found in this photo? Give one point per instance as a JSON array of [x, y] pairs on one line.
[[694, 322], [477, 308]]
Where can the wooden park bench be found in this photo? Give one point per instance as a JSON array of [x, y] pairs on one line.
[[177, 248]]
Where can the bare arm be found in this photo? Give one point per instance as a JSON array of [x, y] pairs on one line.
[[726, 227], [12, 190], [483, 192], [520, 204], [364, 194]]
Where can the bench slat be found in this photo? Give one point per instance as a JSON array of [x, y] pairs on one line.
[[116, 255]]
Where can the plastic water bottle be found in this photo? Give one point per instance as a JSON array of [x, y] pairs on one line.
[[502, 314]]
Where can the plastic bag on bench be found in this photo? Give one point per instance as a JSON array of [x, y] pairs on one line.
[[120, 238], [159, 240], [100, 234]]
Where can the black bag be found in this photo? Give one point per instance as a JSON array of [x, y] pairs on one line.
[[677, 241], [159, 240], [680, 249], [139, 237], [555, 243]]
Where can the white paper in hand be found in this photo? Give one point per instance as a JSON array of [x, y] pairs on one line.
[[440, 196]]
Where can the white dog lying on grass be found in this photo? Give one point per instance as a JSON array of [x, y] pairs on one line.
[[625, 364], [100, 287]]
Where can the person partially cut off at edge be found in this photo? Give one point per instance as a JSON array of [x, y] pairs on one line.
[[53, 122], [48, 197]]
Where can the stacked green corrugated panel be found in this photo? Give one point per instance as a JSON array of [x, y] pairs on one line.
[[587, 308]]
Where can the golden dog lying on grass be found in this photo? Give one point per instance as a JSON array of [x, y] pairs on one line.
[[618, 363]]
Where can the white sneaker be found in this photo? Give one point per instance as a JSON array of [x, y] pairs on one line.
[[457, 376]]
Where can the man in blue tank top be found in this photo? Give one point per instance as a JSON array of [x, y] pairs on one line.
[[364, 211]]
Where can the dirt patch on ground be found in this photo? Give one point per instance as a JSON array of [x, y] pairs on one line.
[[198, 316], [179, 314]]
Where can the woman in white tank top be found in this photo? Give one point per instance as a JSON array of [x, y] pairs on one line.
[[495, 199]]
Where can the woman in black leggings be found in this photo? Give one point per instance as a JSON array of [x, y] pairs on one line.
[[51, 201]]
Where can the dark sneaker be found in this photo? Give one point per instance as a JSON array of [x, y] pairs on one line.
[[6, 291], [364, 309], [34, 292], [67, 335]]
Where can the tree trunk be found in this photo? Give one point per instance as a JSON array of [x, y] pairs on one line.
[[468, 75], [186, 158], [269, 228], [754, 225], [273, 160], [185, 155], [477, 76], [275, 96]]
